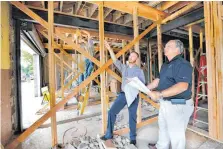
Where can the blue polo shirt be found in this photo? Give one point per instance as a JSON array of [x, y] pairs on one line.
[[175, 71]]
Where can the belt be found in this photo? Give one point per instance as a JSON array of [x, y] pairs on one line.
[[168, 99]]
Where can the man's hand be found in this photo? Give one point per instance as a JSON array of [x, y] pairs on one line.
[[107, 45], [154, 95]]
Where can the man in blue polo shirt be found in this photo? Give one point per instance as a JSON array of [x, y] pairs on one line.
[[173, 90]]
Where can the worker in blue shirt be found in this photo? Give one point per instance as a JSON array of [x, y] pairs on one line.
[[173, 90]]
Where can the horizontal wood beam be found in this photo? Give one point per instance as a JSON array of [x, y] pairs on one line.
[[181, 11], [194, 23], [167, 4], [96, 34], [127, 7], [181, 21], [139, 125], [71, 20], [178, 6]]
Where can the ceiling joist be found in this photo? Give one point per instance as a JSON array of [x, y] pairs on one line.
[[145, 11]]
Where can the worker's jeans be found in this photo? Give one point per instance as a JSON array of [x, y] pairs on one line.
[[173, 121], [117, 106]]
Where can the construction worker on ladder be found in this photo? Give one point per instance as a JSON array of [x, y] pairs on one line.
[[173, 90], [128, 71]]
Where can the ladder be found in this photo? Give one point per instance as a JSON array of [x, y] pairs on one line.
[[201, 92]]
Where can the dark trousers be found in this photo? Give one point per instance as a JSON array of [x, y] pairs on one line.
[[117, 106]]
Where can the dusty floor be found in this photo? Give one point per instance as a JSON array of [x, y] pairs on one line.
[[70, 128], [41, 138]]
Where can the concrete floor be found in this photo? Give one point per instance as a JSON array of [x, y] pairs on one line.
[[41, 138]]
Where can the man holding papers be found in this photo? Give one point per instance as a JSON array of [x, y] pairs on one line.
[[173, 90], [128, 96]]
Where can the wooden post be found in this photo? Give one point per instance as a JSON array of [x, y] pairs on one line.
[[102, 62], [201, 53], [61, 75], [136, 33], [214, 54], [123, 55], [150, 69], [52, 71], [218, 43], [201, 42], [159, 43], [191, 58]]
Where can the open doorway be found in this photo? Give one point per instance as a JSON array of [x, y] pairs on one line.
[[30, 85]]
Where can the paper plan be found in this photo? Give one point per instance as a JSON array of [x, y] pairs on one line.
[[136, 83]]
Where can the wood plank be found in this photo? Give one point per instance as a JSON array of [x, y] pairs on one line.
[[107, 12], [178, 6], [139, 125], [32, 128], [116, 15], [102, 62], [76, 15], [128, 18], [43, 4], [123, 55], [127, 7], [136, 47], [159, 45], [92, 9], [218, 39], [52, 72], [61, 6], [167, 4], [211, 70], [150, 61], [194, 23], [29, 12], [181, 11], [191, 49], [201, 35]]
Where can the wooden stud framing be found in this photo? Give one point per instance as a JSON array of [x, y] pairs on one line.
[[62, 77], [41, 120], [123, 56], [167, 4], [210, 72], [191, 58], [52, 71], [201, 41], [102, 62], [214, 54], [181, 11], [136, 33], [150, 61], [127, 7], [139, 125], [160, 51]]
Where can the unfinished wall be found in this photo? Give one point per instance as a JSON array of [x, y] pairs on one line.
[[6, 122], [9, 121]]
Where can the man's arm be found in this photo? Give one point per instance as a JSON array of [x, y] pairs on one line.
[[183, 78], [117, 63], [110, 51], [175, 89], [153, 84]]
